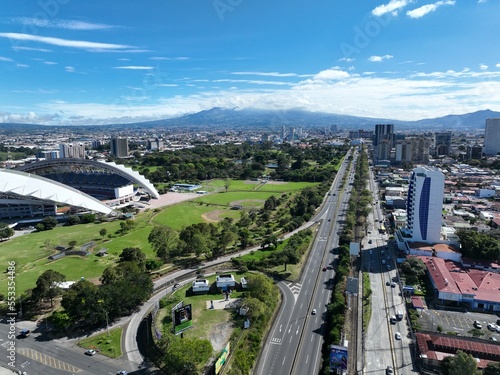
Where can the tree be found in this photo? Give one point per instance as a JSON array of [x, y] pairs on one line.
[[88, 218], [103, 232], [133, 254], [163, 240], [81, 302], [5, 231], [227, 183], [413, 269], [73, 220], [493, 368], [47, 286], [72, 244], [49, 222], [461, 364]]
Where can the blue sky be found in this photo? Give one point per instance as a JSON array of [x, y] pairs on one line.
[[96, 62]]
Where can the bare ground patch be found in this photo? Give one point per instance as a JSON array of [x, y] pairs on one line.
[[219, 335], [213, 216]]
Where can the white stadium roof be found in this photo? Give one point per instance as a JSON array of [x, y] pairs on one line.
[[33, 186]]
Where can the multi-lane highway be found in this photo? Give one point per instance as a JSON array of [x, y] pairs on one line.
[[296, 338]]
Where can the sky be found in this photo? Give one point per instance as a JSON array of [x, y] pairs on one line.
[[98, 62]]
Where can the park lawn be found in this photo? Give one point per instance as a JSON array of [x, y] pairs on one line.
[[108, 345], [204, 320], [228, 199], [256, 255], [187, 213]]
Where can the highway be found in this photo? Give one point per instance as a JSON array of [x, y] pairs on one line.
[[296, 337]]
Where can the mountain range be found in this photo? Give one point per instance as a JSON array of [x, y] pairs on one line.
[[273, 120]]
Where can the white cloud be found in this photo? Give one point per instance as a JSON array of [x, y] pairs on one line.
[[483, 66], [346, 59], [254, 82], [50, 63], [135, 67], [62, 24], [498, 65], [169, 58], [393, 7], [21, 48], [428, 8], [8, 59], [266, 74], [69, 69], [63, 42], [380, 58]]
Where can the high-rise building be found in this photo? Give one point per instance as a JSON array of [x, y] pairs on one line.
[[492, 136], [425, 204], [442, 143], [474, 152], [383, 131], [72, 150], [119, 147]]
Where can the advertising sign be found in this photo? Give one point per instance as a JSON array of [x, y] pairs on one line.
[[338, 357], [183, 318], [223, 358]]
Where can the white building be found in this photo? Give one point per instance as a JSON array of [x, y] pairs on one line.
[[424, 205], [492, 136], [201, 286]]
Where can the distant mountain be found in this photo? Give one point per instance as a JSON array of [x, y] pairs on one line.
[[219, 119], [474, 120]]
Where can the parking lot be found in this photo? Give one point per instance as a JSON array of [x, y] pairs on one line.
[[459, 322]]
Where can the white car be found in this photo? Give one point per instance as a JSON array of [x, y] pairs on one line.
[[90, 352], [313, 312], [398, 336], [383, 261]]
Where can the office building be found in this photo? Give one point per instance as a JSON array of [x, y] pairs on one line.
[[492, 136], [442, 143], [424, 205], [474, 152], [119, 147], [383, 132]]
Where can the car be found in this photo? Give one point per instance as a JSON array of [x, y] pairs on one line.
[[397, 336], [329, 219], [389, 370], [493, 338], [25, 333], [122, 372], [388, 283], [491, 327], [313, 312], [477, 324], [369, 241], [498, 329], [324, 269], [382, 252], [371, 252], [90, 352], [393, 284], [383, 261]]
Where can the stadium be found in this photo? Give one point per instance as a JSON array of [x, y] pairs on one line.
[[39, 189]]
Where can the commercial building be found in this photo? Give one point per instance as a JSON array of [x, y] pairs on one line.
[[424, 205], [442, 143], [119, 147], [72, 150], [492, 136]]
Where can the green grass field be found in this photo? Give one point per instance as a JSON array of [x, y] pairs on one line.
[[108, 345], [30, 252]]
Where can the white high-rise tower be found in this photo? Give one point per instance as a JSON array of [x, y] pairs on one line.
[[492, 136], [425, 204]]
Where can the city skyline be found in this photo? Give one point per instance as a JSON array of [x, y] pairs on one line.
[[93, 63]]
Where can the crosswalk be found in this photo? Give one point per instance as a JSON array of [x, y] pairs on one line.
[[48, 360]]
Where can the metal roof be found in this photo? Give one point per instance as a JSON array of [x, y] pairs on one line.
[[31, 185]]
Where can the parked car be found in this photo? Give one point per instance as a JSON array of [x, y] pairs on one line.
[[477, 324], [90, 352], [313, 312], [389, 370], [491, 327], [122, 372], [398, 336]]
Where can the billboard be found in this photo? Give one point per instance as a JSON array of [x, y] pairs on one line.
[[223, 358], [182, 318], [338, 357]]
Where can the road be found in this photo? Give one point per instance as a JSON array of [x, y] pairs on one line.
[[296, 337]]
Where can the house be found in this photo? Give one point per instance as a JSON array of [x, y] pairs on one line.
[[201, 286], [225, 281]]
